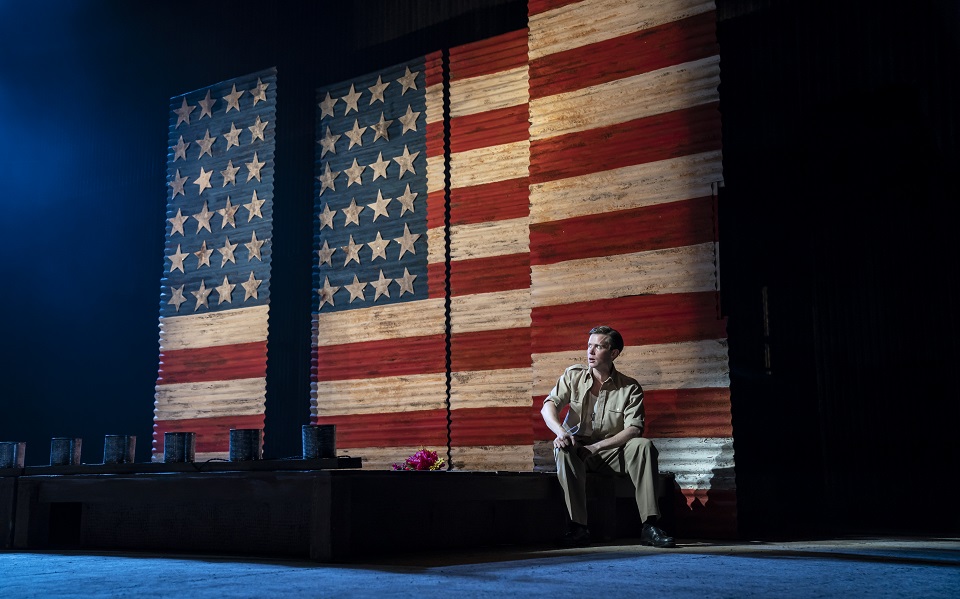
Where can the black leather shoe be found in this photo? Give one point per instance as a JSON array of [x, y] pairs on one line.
[[579, 537], [652, 535]]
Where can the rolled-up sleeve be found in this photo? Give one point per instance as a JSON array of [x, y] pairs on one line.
[[633, 412], [560, 394]]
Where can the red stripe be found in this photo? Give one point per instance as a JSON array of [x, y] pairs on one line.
[[436, 275], [424, 428], [222, 363], [436, 208], [433, 64], [535, 7], [213, 434], [472, 427], [490, 350], [489, 56], [670, 413], [641, 319], [658, 137], [501, 200], [434, 138], [669, 225], [386, 357], [489, 128], [647, 50], [486, 275]]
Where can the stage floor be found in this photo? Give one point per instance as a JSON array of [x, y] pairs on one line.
[[863, 567]]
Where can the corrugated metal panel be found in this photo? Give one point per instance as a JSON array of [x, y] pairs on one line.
[[379, 367], [213, 346], [489, 256], [625, 151]]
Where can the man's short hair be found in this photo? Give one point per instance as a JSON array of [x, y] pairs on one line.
[[616, 339]]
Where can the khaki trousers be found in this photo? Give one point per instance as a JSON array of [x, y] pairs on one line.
[[638, 459]]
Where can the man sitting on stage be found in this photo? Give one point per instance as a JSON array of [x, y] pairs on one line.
[[602, 433]]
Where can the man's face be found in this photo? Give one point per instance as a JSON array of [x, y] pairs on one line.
[[599, 353]]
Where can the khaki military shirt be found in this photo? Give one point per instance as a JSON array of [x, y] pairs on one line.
[[619, 404]]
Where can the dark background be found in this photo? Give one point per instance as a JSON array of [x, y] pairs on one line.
[[840, 131]]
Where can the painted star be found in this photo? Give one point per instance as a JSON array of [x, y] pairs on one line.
[[406, 282], [328, 143], [380, 167], [226, 252], [180, 150], [253, 248], [327, 292], [351, 100], [407, 200], [326, 109], [203, 255], [326, 254], [233, 137], [257, 129], [352, 213], [176, 297], [225, 291], [408, 81], [176, 260], [406, 161], [201, 295], [378, 247], [353, 252], [326, 217], [379, 207], [250, 287], [177, 184], [253, 206], [259, 93], [228, 214], [409, 120], [380, 129], [407, 240], [203, 218], [177, 222], [327, 179], [381, 286], [230, 173], [355, 134], [353, 173], [356, 289], [233, 99], [206, 145], [253, 168], [206, 106], [183, 113], [376, 91], [203, 181]]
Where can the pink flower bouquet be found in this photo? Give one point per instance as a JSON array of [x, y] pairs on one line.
[[422, 460]]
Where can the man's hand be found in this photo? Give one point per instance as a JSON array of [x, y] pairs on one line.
[[564, 441]]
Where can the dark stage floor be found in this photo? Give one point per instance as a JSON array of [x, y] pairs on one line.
[[862, 567]]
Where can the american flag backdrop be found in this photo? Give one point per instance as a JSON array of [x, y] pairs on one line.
[[491, 376], [379, 313], [625, 157], [216, 277]]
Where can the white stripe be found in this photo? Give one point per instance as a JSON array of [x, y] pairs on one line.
[[624, 188], [490, 311], [436, 246], [214, 329], [434, 99], [391, 321], [489, 92], [490, 164], [491, 238], [183, 401], [647, 94], [576, 25], [509, 458], [389, 394], [506, 388], [684, 269], [435, 175], [690, 364]]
